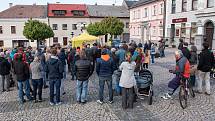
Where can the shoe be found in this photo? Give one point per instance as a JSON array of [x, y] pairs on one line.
[[22, 102], [35, 101], [207, 93], [40, 100], [166, 96], [199, 92], [59, 103], [3, 90], [51, 103], [45, 86], [64, 93], [100, 102], [83, 102], [110, 102], [79, 102]]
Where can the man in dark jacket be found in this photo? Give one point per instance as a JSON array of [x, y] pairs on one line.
[[105, 68], [4, 72], [181, 44], [55, 69], [21, 70], [62, 58], [205, 65], [83, 70], [186, 52]]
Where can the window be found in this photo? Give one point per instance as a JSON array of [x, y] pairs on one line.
[[161, 8], [59, 12], [134, 14], [146, 12], [194, 4], [193, 32], [64, 26], [127, 25], [183, 30], [65, 42], [134, 31], [13, 29], [154, 10], [1, 30], [78, 13], [138, 14], [1, 43], [210, 3], [173, 6], [184, 5], [74, 26], [54, 26], [55, 39], [154, 32]]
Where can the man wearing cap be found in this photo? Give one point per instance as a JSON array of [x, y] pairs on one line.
[[105, 68]]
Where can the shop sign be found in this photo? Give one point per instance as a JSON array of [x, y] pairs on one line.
[[179, 20]]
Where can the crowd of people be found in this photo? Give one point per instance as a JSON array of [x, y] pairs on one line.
[[33, 70]]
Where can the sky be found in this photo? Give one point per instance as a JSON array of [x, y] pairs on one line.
[[4, 4]]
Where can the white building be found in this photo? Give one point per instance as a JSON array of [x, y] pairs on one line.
[[191, 20], [146, 21], [12, 23]]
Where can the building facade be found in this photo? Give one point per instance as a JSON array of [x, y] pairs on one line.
[[146, 21], [12, 23], [191, 20]]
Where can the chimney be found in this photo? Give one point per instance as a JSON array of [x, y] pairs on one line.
[[10, 4], [96, 3]]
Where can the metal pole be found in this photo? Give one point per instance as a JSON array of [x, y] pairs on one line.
[[164, 19]]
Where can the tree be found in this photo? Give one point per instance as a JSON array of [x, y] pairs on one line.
[[94, 29], [36, 30], [112, 26]]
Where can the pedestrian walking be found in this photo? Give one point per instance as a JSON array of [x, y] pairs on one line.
[[127, 82], [161, 48], [55, 69], [21, 69], [62, 58], [193, 63], [181, 44], [146, 60], [205, 65], [37, 80], [5, 67], [83, 70], [153, 52], [105, 68]]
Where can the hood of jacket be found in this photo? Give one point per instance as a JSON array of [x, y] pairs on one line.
[[53, 60], [105, 57]]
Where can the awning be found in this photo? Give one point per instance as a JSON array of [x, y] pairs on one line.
[[85, 37]]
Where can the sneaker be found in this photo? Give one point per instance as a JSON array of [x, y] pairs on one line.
[[207, 93], [100, 102], [35, 101], [166, 96], [51, 103], [40, 100], [110, 102], [45, 86], [59, 103]]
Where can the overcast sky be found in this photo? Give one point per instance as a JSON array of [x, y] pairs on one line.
[[4, 4]]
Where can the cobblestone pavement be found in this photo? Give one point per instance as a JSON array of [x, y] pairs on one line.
[[201, 108]]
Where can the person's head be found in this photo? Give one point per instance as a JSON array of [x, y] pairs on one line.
[[104, 51], [193, 48], [62, 50], [95, 44], [19, 57], [128, 57], [185, 44], [36, 59], [113, 50], [83, 55], [139, 50], [181, 40], [53, 52], [20, 49], [178, 54], [205, 45]]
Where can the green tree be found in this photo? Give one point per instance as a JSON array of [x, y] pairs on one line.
[[95, 29], [36, 30]]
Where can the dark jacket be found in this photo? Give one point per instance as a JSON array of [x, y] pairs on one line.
[[21, 69], [4, 66], [54, 68], [105, 66], [180, 46], [193, 58], [62, 57], [186, 52], [83, 69], [206, 61]]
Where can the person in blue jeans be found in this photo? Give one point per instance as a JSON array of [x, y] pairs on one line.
[[21, 70], [54, 68], [62, 58], [104, 69], [83, 70]]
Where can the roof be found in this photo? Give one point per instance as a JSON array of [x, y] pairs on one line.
[[107, 10], [129, 3], [68, 8], [25, 11], [142, 2]]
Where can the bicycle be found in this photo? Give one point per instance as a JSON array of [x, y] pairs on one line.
[[186, 89]]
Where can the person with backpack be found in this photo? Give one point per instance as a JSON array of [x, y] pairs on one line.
[[83, 70], [54, 68], [21, 70], [37, 80], [182, 72], [206, 62], [5, 67]]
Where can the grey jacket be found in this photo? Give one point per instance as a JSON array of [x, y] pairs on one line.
[[36, 70]]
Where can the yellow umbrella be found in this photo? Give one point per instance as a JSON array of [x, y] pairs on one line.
[[85, 37]]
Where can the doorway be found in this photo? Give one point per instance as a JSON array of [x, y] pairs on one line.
[[209, 33]]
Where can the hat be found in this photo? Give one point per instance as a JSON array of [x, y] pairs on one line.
[[104, 51], [185, 44]]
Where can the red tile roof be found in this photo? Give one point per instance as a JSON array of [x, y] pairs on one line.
[[68, 8], [25, 11]]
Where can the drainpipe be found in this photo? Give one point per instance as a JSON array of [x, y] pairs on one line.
[[164, 20]]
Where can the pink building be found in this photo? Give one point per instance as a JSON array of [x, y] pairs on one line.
[[146, 21]]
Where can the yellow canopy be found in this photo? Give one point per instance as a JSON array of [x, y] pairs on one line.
[[85, 37]]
